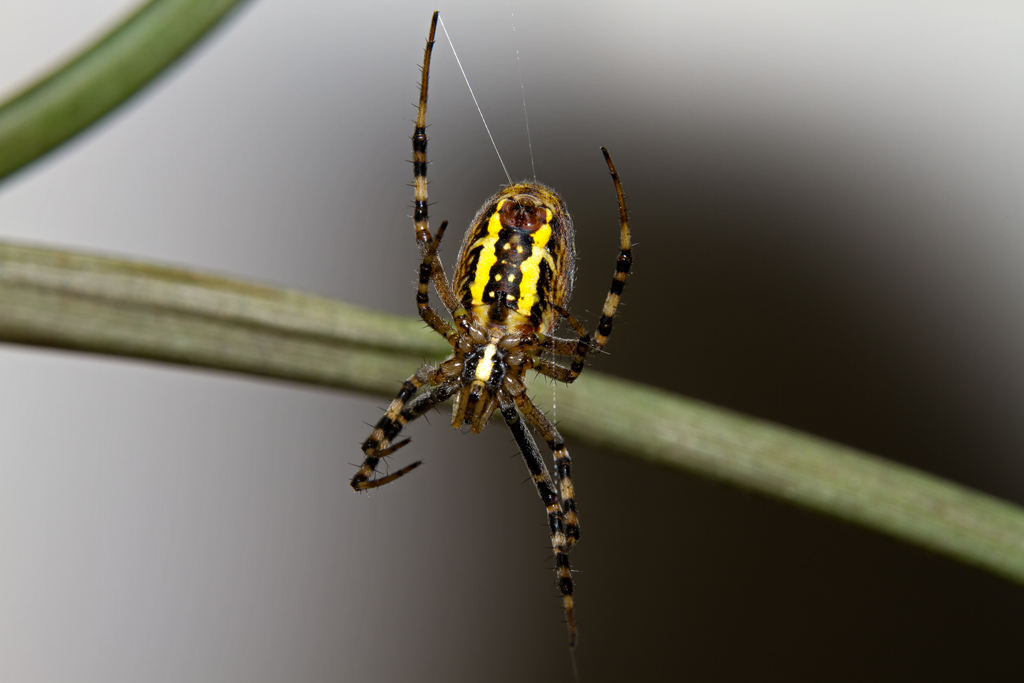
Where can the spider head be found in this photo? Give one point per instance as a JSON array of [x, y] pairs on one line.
[[484, 371]]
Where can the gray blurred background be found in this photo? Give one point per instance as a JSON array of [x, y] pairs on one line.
[[826, 202]]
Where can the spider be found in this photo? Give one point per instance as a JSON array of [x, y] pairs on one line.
[[512, 284]]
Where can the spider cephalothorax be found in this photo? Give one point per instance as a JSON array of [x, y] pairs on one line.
[[512, 284]]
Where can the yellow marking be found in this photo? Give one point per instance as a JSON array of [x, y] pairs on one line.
[[497, 277], [487, 255], [486, 364], [531, 266], [506, 246], [519, 249]]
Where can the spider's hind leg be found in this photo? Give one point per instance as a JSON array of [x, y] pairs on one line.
[[563, 465], [579, 349], [552, 503]]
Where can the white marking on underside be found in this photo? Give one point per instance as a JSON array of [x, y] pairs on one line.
[[486, 363]]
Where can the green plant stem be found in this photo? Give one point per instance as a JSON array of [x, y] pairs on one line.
[[75, 301], [99, 79]]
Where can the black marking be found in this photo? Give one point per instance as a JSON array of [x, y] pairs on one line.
[[565, 585], [531, 464], [618, 285], [563, 468], [498, 311], [536, 314], [577, 366], [469, 369], [408, 389], [505, 276], [604, 327], [389, 427], [624, 262], [498, 370], [547, 494], [544, 282], [420, 212], [419, 169], [554, 522], [561, 560], [543, 303], [419, 140], [422, 298], [472, 259]]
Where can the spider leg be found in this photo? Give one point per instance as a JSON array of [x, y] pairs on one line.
[[622, 264], [562, 347], [428, 314], [579, 349], [401, 411], [585, 344], [421, 214], [563, 464], [556, 524], [551, 369]]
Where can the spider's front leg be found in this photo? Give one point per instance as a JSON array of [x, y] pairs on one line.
[[552, 504], [421, 213], [587, 344], [402, 410], [381, 442], [427, 267]]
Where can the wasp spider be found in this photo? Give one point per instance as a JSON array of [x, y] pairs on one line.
[[512, 284]]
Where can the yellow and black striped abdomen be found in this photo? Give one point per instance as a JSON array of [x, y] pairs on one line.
[[517, 259]]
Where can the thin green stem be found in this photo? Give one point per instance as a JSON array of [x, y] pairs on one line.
[[90, 303], [99, 79]]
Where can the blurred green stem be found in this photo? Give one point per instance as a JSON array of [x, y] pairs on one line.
[[75, 301], [99, 79]]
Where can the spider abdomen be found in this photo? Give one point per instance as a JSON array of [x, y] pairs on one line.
[[517, 261]]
